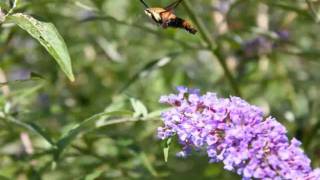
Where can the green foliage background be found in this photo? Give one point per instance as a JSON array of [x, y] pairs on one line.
[[123, 63]]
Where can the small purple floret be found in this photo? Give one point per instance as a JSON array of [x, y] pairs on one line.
[[235, 133]]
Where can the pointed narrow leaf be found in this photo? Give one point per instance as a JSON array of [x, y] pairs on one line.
[[139, 108], [166, 149], [84, 126], [94, 175], [49, 37], [42, 132], [34, 128]]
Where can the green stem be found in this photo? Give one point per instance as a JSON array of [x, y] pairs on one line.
[[125, 120], [212, 46], [89, 125], [4, 16], [14, 5], [313, 11]]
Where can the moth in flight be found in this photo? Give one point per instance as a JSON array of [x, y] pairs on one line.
[[166, 17]]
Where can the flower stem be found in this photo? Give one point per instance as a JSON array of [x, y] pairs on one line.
[[313, 10], [213, 47]]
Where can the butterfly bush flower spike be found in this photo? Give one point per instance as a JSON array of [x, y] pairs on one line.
[[233, 132]]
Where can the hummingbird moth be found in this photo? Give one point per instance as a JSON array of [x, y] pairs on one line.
[[166, 17]]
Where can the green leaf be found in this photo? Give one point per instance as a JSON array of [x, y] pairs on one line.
[[139, 108], [49, 38], [94, 175], [166, 149], [34, 77], [34, 128], [13, 5], [42, 132], [146, 162], [21, 89], [84, 126], [157, 113]]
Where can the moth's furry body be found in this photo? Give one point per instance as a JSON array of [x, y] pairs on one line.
[[155, 14], [166, 18]]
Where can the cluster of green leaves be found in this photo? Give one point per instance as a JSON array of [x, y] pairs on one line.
[[80, 81]]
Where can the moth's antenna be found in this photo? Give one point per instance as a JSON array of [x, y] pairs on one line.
[[173, 5], [144, 3]]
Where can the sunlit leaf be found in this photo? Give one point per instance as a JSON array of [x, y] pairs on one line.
[[139, 108], [94, 175], [49, 37]]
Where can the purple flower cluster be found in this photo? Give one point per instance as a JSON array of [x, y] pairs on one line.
[[236, 133]]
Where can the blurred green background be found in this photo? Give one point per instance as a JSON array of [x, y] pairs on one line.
[[123, 62]]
